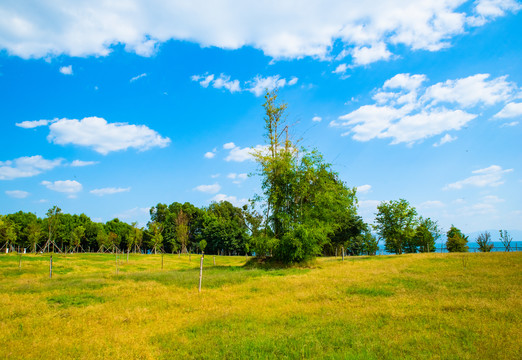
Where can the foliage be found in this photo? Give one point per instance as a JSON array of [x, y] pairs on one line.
[[302, 198], [484, 242], [426, 234], [505, 239], [396, 221], [456, 240]]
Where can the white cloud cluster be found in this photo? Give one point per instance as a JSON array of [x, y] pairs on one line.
[[258, 85], [444, 140], [406, 111], [490, 176], [511, 110], [365, 29], [237, 178], [363, 189], [210, 189], [109, 191], [26, 166], [17, 194], [104, 137], [71, 187]]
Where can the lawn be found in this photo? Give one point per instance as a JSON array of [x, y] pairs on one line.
[[449, 306]]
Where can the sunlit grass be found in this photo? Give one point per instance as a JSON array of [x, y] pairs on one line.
[[411, 306]]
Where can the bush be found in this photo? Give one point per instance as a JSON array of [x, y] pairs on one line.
[[457, 241], [484, 242]]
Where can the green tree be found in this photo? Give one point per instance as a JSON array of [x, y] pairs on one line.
[[456, 240], [77, 235], [202, 246], [396, 222], [34, 234], [7, 232], [52, 221], [484, 242], [301, 196], [426, 234], [156, 243]]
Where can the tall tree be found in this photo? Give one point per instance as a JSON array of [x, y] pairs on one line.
[[301, 195], [396, 221], [53, 220]]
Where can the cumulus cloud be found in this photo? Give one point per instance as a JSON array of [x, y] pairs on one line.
[[104, 137], [109, 191], [80, 163], [317, 118], [66, 70], [210, 189], [511, 110], [231, 199], [408, 111], [26, 166], [137, 77], [237, 178], [71, 187], [491, 176], [209, 155], [364, 29], [17, 194], [258, 85]]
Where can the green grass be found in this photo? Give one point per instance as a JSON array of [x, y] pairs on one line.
[[421, 306]]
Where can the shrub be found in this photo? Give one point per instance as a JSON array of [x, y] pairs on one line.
[[484, 242]]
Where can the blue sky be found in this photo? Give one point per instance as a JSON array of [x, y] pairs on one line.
[[108, 109]]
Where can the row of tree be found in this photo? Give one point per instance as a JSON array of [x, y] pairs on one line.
[[304, 210]]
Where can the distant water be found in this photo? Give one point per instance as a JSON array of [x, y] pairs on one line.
[[472, 245]]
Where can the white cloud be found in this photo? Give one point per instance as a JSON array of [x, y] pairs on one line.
[[365, 29], [431, 204], [340, 69], [490, 176], [26, 166], [17, 194], [238, 178], [406, 111], [66, 70], [104, 137], [224, 82], [229, 145], [211, 189], [32, 124], [80, 163], [369, 54], [470, 91], [214, 176], [445, 139], [511, 110], [242, 154], [209, 155], [363, 189], [71, 187], [109, 191], [231, 199], [317, 118], [137, 77], [492, 199], [257, 85], [510, 124]]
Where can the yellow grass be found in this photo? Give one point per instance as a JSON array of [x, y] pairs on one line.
[[409, 306]]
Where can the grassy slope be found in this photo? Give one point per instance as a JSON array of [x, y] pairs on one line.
[[410, 306]]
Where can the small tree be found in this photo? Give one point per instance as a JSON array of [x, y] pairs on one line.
[[396, 222], [182, 230], [202, 246], [457, 241], [484, 242], [505, 239], [34, 234], [76, 237]]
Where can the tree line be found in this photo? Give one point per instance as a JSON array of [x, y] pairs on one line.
[[304, 210]]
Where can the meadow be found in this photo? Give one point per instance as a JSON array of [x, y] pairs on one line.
[[422, 306]]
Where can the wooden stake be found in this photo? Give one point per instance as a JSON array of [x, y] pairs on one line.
[[161, 261], [51, 267], [342, 251], [214, 260], [19, 261], [200, 273]]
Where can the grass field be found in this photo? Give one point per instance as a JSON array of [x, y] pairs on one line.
[[425, 306]]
